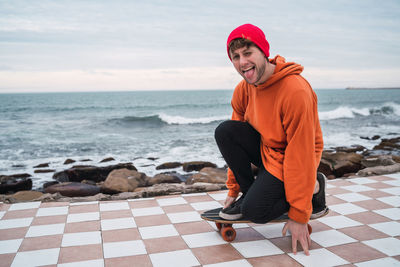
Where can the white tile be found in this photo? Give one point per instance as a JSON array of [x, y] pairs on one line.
[[257, 248], [24, 206], [15, 223], [329, 185], [36, 257], [140, 199], [383, 262], [171, 201], [91, 263], [219, 196], [352, 197], [237, 263], [158, 231], [270, 230], [346, 208], [147, 211], [389, 228], [203, 239], [84, 203], [80, 239], [362, 180], [43, 230], [179, 258], [194, 194], [122, 249], [10, 246], [394, 175], [338, 222], [2, 214], [181, 217], [393, 182], [392, 213], [357, 188], [318, 258], [390, 246], [119, 223], [83, 217], [394, 190], [206, 205], [52, 211], [112, 206], [331, 238], [393, 200]]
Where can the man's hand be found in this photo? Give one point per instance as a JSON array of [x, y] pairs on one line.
[[228, 201], [299, 233]]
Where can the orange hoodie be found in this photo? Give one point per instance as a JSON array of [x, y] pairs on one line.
[[284, 111]]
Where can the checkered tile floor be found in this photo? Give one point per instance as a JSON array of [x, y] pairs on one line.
[[362, 229]]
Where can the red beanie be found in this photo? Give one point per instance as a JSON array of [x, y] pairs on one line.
[[252, 33]]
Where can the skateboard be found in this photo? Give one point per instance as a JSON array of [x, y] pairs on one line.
[[226, 230]]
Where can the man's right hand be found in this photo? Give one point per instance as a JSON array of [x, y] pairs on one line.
[[228, 201]]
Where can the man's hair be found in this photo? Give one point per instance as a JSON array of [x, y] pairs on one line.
[[240, 43]]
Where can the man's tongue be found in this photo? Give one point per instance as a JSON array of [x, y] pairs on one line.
[[248, 74]]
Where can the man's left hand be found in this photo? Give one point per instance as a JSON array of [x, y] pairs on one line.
[[299, 233]]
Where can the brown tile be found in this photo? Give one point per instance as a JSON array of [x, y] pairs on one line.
[[332, 213], [14, 233], [397, 257], [6, 259], [82, 227], [157, 245], [356, 252], [42, 242], [247, 234], [363, 233], [193, 227], [120, 235], [80, 253], [381, 178], [53, 204], [178, 208], [375, 194], [285, 244], [332, 200], [372, 204], [337, 191], [139, 260], [368, 217], [115, 214], [49, 220], [216, 254], [152, 220], [194, 199], [15, 214], [379, 185], [318, 226], [4, 207], [83, 208], [143, 204], [275, 260]]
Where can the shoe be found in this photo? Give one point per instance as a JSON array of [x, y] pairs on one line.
[[232, 212], [318, 200]]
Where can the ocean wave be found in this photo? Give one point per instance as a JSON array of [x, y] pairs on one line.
[[343, 112], [183, 120]]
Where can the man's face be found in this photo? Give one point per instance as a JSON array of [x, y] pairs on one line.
[[251, 63]]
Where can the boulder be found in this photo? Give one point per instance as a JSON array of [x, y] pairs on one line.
[[168, 165], [47, 184], [325, 167], [26, 195], [69, 161], [107, 159], [43, 165], [165, 178], [124, 180], [44, 171], [11, 183], [379, 170], [387, 146], [342, 163], [197, 165], [73, 189], [208, 175], [353, 148], [97, 174], [382, 160]]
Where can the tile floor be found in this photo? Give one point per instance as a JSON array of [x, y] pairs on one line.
[[362, 229]]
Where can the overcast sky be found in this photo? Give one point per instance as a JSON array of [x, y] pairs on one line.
[[180, 44]]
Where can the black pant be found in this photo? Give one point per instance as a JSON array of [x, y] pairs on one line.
[[264, 197]]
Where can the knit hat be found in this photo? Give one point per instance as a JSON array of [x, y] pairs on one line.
[[251, 33]]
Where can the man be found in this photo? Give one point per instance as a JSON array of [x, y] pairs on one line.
[[274, 126]]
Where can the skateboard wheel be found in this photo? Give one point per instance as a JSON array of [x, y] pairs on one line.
[[219, 226], [309, 228], [228, 234]]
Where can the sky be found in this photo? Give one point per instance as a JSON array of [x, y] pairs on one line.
[[89, 45]]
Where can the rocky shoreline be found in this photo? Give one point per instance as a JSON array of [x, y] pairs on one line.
[[124, 181]]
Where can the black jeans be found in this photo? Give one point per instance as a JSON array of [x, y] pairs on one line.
[[264, 197]]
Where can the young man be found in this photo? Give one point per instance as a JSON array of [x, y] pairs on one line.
[[274, 126]]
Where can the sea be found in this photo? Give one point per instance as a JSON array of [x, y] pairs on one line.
[[148, 128]]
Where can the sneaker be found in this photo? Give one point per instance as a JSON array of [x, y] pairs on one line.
[[318, 200], [232, 212]]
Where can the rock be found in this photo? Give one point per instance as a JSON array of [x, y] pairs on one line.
[[43, 165], [11, 184], [44, 171], [331, 177], [197, 165], [392, 145], [203, 187], [342, 163], [325, 167], [396, 158], [18, 166], [26, 195], [47, 184], [49, 197], [382, 160], [83, 160], [375, 137], [73, 189], [166, 178], [152, 158], [107, 159], [88, 182], [168, 165], [208, 175], [97, 174], [18, 175], [69, 161], [126, 195], [353, 148], [124, 180], [379, 170]]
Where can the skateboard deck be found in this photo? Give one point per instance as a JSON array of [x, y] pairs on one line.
[[226, 230]]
